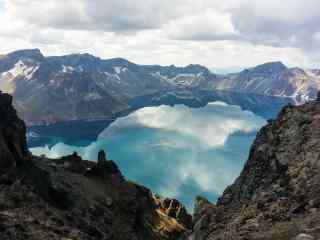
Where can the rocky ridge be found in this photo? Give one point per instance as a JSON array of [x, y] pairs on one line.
[[82, 86], [71, 198], [277, 195]]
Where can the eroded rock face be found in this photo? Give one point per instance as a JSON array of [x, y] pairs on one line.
[[13, 146], [173, 208], [283, 161], [318, 97], [277, 195]]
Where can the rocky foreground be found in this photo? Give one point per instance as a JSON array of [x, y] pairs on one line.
[[276, 197], [70, 198]]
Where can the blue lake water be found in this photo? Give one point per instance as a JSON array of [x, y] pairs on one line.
[[177, 151]]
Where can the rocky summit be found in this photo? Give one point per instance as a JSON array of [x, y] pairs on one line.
[[70, 198], [277, 195]]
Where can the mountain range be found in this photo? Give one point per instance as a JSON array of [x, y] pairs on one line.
[[82, 86]]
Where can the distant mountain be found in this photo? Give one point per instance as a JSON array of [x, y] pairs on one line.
[[273, 79], [82, 86]]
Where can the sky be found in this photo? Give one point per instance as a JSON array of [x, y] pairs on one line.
[[219, 34]]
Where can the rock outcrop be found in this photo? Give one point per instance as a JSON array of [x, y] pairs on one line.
[[71, 198], [13, 147], [173, 208], [277, 195]]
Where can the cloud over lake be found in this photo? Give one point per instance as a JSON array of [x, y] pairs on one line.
[[176, 150]]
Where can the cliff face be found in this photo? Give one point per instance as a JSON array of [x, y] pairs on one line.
[[70, 198], [277, 195], [13, 147]]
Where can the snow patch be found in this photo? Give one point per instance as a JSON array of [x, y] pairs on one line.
[[92, 96], [67, 69], [119, 70], [20, 69], [112, 75], [182, 79]]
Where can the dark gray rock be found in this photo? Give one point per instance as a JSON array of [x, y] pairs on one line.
[[13, 146], [277, 194], [102, 158]]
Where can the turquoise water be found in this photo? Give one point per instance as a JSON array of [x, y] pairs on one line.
[[176, 151]]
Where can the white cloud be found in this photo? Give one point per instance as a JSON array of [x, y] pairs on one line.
[[285, 23], [210, 130], [104, 15], [206, 25], [168, 148], [218, 34]]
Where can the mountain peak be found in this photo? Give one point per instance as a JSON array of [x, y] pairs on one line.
[[83, 55], [29, 53], [274, 63], [197, 68], [271, 67]]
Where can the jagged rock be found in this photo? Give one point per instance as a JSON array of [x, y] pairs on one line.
[[104, 168], [173, 208], [277, 194], [318, 97], [73, 163], [102, 157], [202, 207], [13, 146]]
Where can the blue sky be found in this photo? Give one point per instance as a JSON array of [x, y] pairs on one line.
[[217, 34]]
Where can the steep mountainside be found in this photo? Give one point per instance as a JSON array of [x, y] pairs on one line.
[[70, 198], [273, 79], [277, 195], [81, 86]]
